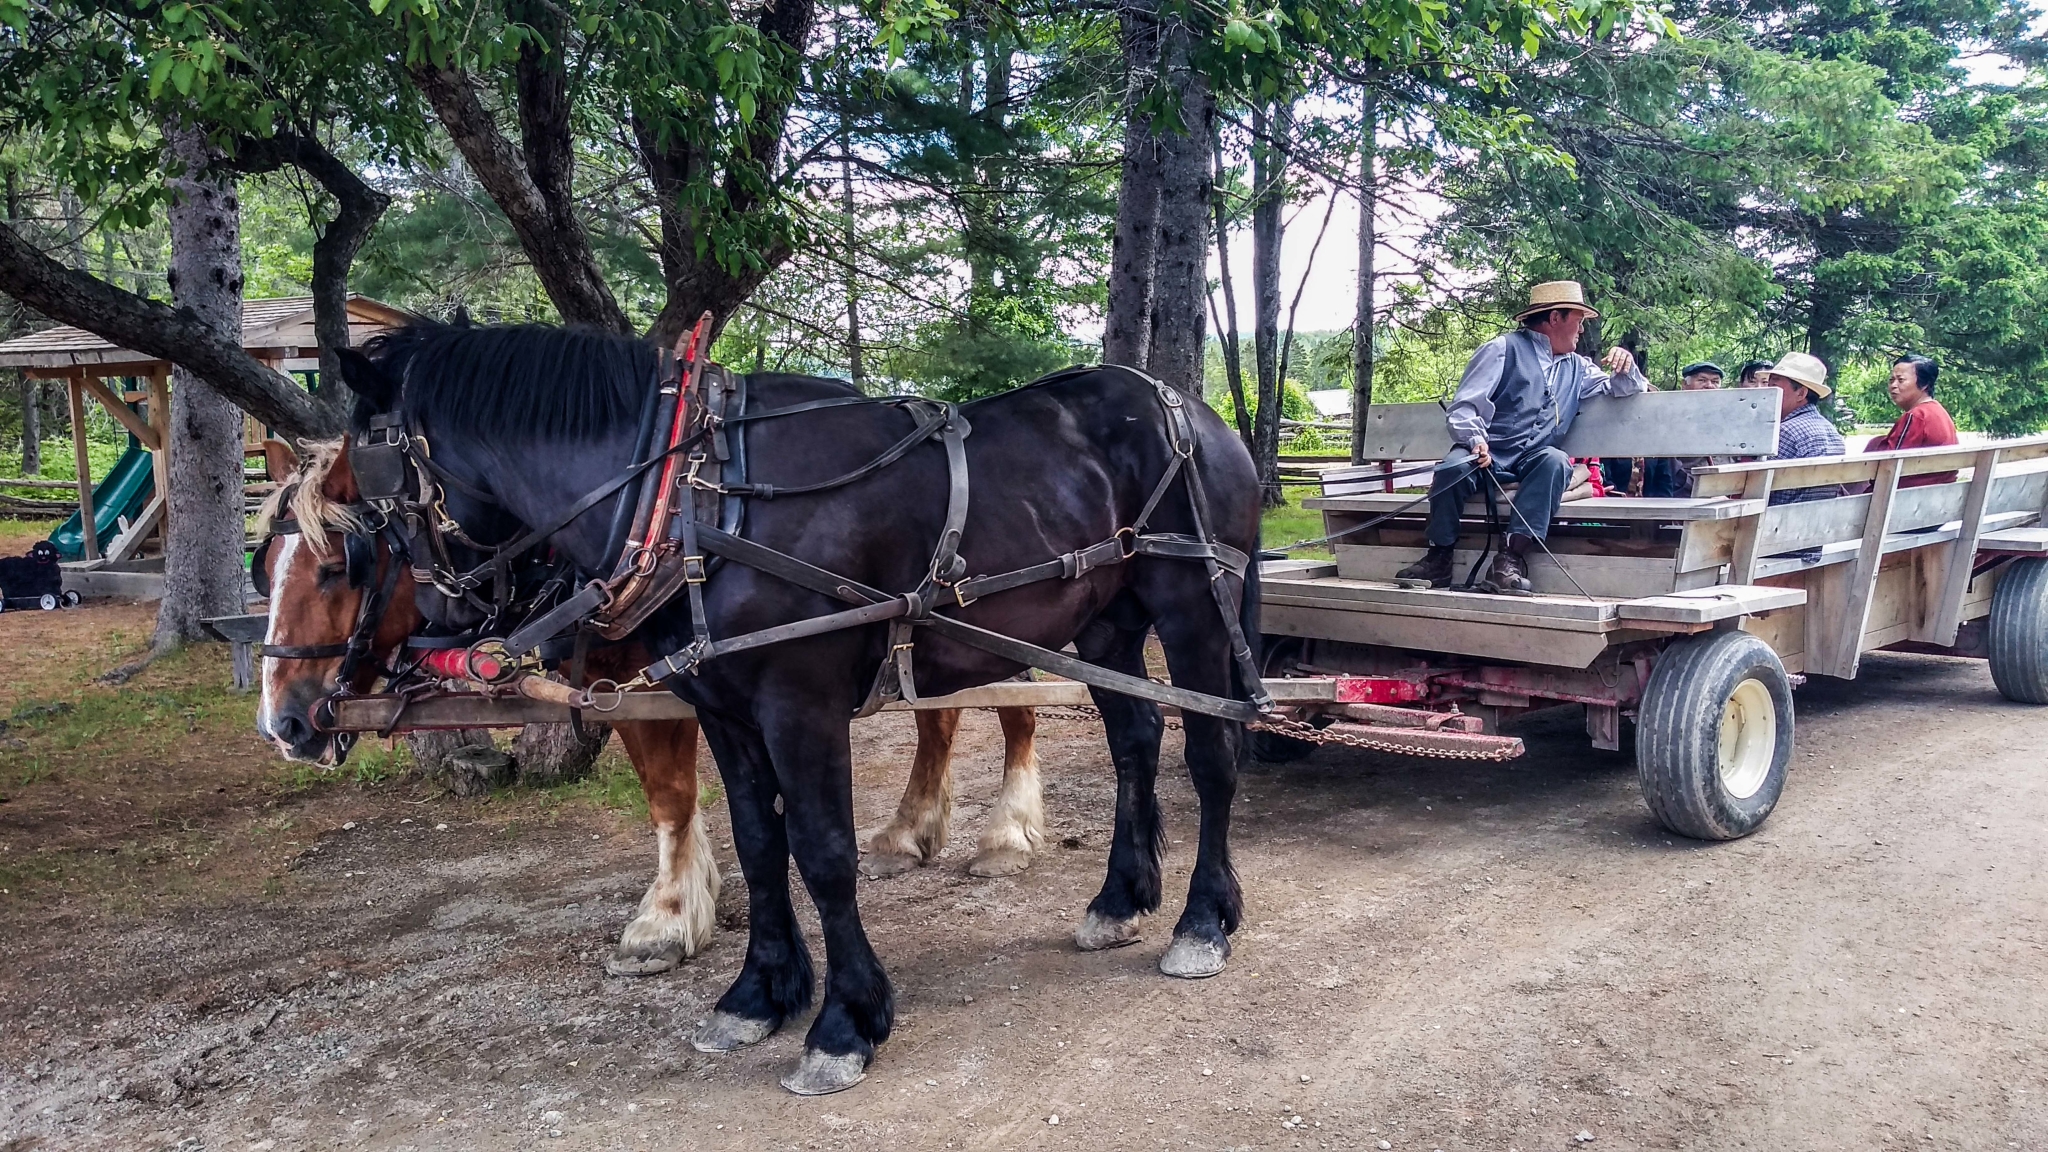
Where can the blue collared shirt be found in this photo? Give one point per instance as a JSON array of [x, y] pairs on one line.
[[1471, 413], [1801, 436]]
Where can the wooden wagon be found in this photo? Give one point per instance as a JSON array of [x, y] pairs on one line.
[[1689, 620]]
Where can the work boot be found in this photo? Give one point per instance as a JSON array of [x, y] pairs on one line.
[[1509, 575], [1432, 571]]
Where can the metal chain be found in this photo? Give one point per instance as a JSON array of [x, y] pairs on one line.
[[1299, 730]]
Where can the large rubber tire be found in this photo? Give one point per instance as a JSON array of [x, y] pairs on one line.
[[2019, 632], [1714, 735]]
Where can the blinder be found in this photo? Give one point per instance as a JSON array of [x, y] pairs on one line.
[[259, 566], [378, 459]]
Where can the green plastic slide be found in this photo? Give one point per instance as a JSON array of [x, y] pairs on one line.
[[125, 492]]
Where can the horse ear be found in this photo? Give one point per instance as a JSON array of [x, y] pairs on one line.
[[369, 382]]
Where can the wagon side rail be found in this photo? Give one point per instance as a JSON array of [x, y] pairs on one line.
[[1838, 546]]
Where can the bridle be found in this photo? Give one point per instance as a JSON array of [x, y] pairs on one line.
[[359, 561]]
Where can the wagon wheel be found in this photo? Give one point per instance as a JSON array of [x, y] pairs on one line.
[[72, 598], [47, 601], [1714, 735], [2019, 632], [1271, 747]]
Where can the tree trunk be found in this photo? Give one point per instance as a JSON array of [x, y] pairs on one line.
[[856, 371], [1365, 321], [1233, 366], [462, 760], [1180, 259], [31, 427], [203, 531], [1127, 324], [357, 210], [549, 754], [1269, 200]]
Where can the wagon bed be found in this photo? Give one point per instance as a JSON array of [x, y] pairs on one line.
[[1629, 585]]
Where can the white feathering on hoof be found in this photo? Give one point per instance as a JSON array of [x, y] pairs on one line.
[[1016, 829], [679, 911]]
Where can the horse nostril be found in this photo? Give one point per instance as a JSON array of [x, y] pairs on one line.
[[292, 730]]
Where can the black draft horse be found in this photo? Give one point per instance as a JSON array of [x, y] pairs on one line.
[[535, 417]]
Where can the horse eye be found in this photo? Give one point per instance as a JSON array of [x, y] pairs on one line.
[[331, 573]]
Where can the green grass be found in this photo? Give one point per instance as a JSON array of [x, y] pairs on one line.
[[1291, 522]]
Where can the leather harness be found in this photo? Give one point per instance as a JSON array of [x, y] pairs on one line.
[[688, 514]]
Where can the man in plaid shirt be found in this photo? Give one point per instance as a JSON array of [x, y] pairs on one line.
[[1803, 433]]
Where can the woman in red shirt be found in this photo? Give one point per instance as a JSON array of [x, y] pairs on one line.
[[1923, 422]]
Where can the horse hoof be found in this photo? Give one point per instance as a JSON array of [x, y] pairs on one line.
[[1192, 958], [725, 1032], [819, 1074], [666, 954], [878, 865], [999, 862], [1098, 932]]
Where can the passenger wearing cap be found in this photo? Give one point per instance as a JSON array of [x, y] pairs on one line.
[[1673, 477], [1519, 396], [1803, 433]]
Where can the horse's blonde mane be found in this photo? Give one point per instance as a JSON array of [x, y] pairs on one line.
[[317, 515]]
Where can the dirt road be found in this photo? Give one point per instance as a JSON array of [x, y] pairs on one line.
[[1436, 956]]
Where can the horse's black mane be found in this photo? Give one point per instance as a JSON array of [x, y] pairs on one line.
[[514, 380]]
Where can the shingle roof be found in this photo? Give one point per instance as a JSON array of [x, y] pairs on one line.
[[261, 320]]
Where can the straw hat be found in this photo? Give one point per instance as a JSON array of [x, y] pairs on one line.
[[1557, 294], [1808, 370]]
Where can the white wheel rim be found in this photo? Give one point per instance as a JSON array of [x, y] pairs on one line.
[[1749, 739]]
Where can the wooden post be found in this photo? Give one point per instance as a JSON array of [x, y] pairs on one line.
[[90, 530], [1749, 532], [1941, 624], [160, 419], [1846, 651]]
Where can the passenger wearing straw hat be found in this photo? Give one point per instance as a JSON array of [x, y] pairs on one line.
[[1803, 433], [1519, 396]]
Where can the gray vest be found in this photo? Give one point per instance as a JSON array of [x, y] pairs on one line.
[[1529, 412]]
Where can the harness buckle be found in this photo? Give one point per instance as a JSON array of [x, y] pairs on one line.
[[693, 570]]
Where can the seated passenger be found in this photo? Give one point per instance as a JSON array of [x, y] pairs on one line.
[[1519, 396], [1803, 433], [1752, 373], [1923, 422]]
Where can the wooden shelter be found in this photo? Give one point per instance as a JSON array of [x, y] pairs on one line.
[[277, 332]]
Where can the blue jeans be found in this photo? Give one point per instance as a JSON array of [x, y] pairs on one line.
[[1544, 473]]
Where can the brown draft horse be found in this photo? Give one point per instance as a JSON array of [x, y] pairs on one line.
[[313, 604]]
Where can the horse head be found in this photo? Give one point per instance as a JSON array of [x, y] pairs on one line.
[[341, 602]]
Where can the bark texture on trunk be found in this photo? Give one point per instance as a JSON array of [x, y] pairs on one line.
[[697, 281], [549, 754], [1270, 130], [1365, 321], [31, 427], [1127, 326], [1180, 260], [526, 188], [462, 760], [203, 531], [1233, 366]]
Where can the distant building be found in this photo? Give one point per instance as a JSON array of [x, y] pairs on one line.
[[1332, 403]]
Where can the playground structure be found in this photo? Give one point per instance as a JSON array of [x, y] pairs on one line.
[[112, 544]]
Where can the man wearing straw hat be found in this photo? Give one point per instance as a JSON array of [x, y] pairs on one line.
[[1519, 396], [1803, 433]]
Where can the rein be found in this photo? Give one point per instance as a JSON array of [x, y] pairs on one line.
[[668, 545]]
